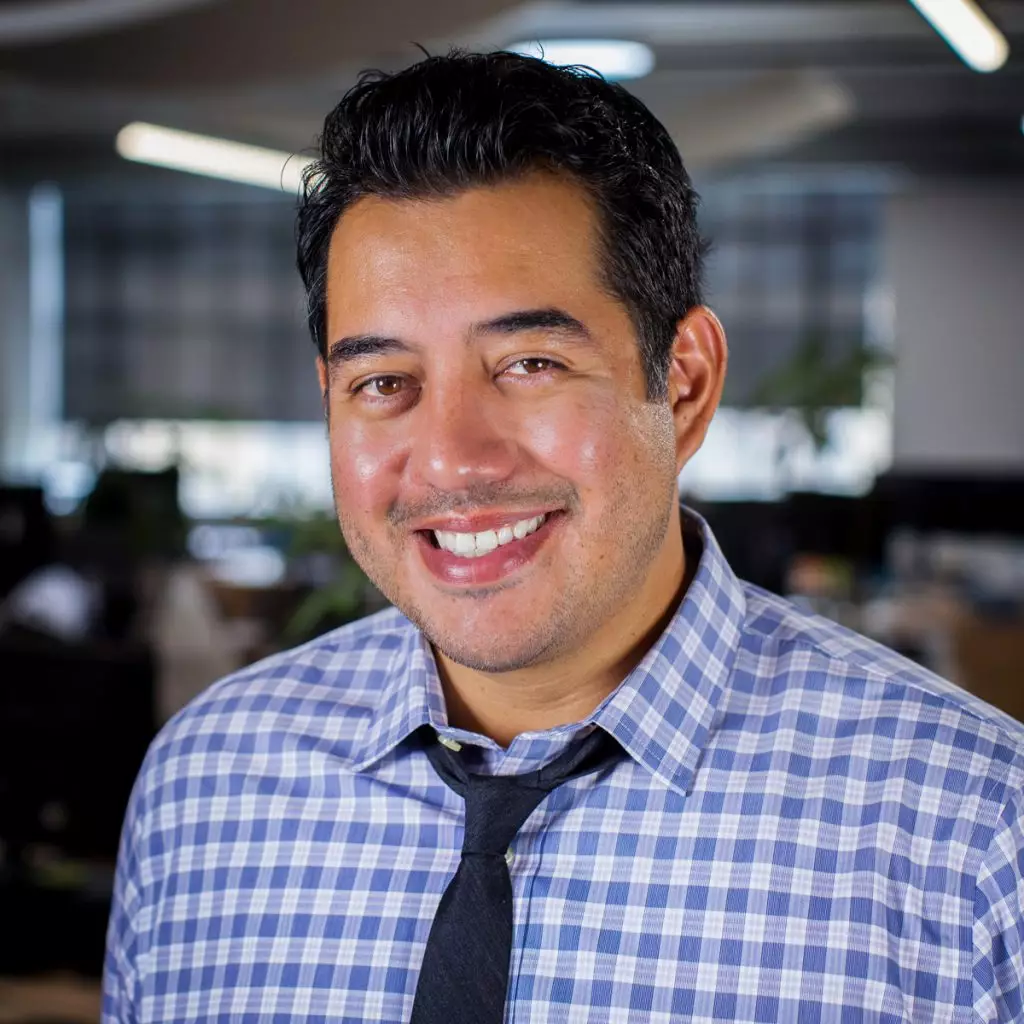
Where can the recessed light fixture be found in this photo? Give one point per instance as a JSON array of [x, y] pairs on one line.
[[966, 27], [616, 59], [215, 158]]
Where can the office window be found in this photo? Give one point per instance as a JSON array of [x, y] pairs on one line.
[[185, 326], [795, 255], [184, 303], [791, 257]]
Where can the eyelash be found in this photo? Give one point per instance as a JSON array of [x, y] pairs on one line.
[[360, 389]]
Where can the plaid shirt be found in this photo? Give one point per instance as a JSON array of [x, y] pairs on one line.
[[805, 827]]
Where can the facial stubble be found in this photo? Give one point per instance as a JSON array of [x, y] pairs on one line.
[[585, 601]]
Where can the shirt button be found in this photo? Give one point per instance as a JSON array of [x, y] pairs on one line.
[[449, 743], [510, 855]]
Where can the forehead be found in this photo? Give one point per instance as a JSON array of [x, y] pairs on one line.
[[532, 239]]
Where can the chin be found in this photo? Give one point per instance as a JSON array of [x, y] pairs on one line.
[[492, 653]]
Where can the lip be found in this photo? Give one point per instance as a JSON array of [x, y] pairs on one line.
[[496, 565], [479, 523]]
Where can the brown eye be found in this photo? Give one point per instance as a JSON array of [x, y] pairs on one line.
[[533, 365], [381, 387]]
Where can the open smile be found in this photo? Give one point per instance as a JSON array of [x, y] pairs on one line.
[[472, 560]]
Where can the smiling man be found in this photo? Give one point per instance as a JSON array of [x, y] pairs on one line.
[[579, 771], [500, 472]]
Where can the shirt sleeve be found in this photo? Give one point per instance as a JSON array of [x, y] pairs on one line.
[[999, 922], [122, 948]]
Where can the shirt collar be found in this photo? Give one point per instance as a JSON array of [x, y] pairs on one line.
[[411, 697], [661, 713]]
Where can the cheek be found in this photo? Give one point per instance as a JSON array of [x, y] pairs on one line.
[[585, 439], [362, 469]]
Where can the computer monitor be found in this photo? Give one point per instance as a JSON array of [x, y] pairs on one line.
[[26, 534], [75, 723]]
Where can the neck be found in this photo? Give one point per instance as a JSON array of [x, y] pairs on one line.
[[566, 689]]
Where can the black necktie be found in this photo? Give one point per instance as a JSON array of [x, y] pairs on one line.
[[465, 971]]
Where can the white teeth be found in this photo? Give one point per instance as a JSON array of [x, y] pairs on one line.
[[473, 545], [486, 542]]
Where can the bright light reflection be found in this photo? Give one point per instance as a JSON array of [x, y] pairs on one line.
[[214, 158], [966, 27], [616, 59]]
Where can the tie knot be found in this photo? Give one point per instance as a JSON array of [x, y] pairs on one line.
[[496, 807]]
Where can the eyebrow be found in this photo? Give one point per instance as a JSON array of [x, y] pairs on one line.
[[550, 319], [345, 350], [553, 320]]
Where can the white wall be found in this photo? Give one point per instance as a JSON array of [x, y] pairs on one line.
[[954, 260]]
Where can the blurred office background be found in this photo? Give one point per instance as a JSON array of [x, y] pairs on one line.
[[165, 505]]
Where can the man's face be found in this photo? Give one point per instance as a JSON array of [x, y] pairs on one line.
[[480, 376]]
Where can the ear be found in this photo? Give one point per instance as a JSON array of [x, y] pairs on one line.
[[321, 373], [696, 375]]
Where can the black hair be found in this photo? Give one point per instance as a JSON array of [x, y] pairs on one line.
[[449, 123]]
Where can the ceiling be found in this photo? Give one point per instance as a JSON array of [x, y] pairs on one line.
[[866, 82]]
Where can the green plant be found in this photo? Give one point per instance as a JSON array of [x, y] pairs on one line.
[[338, 602], [317, 532], [811, 385]]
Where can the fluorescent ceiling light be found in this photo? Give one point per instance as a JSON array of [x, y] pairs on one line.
[[616, 59], [966, 27], [215, 158]]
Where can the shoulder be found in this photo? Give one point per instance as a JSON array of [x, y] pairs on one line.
[[320, 694], [847, 693]]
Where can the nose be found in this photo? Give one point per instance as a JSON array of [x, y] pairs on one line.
[[461, 438]]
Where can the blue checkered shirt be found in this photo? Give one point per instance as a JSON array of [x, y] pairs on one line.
[[804, 827]]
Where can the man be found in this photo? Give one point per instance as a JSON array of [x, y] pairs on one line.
[[579, 772]]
